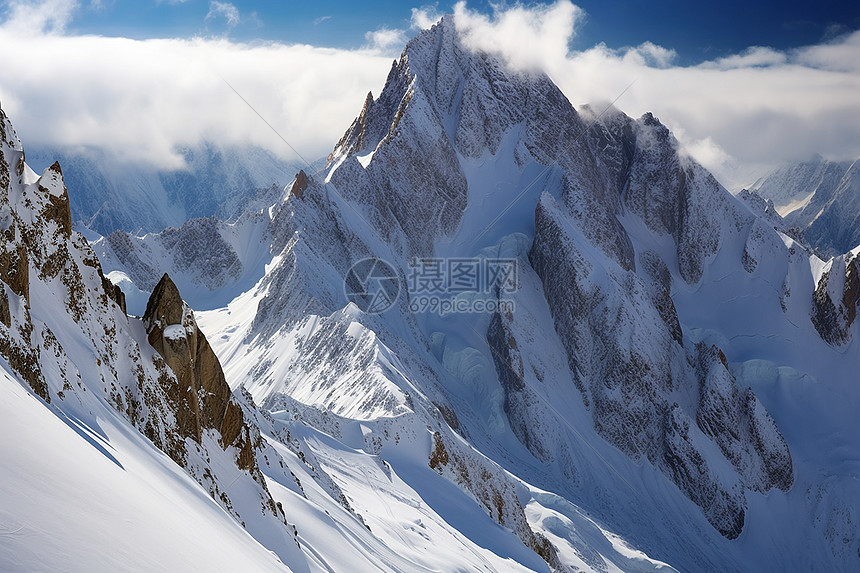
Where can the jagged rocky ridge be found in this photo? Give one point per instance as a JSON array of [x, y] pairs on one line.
[[625, 220], [158, 375], [621, 332], [55, 300]]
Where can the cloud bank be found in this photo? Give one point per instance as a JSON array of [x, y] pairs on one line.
[[141, 99]]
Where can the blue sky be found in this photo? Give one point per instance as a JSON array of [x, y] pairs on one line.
[[744, 86], [696, 30]]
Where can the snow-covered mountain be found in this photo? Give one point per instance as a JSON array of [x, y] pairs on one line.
[[216, 181], [126, 450], [661, 379], [692, 355], [821, 198], [211, 260], [106, 387]]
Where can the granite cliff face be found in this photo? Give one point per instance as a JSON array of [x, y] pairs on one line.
[[201, 394]]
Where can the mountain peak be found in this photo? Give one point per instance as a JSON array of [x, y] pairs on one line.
[[165, 306], [201, 391]]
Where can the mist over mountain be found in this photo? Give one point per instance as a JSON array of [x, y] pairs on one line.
[[138, 197]]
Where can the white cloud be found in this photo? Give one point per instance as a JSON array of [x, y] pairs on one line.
[[423, 18], [48, 16], [749, 58], [840, 54], [386, 40], [142, 98], [738, 115], [653, 55], [224, 10], [760, 107], [525, 37], [321, 19]]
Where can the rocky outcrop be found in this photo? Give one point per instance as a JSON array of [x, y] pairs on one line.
[[688, 467], [835, 300], [491, 488], [198, 396], [509, 365], [35, 244], [740, 426], [300, 184], [655, 268], [14, 267], [200, 393], [114, 292], [57, 209]]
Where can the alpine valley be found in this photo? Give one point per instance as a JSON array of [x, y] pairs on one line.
[[671, 385]]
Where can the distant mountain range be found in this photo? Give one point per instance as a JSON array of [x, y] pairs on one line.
[[141, 198], [820, 197]]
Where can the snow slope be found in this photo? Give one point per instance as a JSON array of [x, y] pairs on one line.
[[82, 497]]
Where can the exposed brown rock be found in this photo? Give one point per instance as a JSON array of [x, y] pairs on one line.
[[15, 272], [201, 393], [5, 314], [165, 307], [362, 119], [58, 208], [300, 184], [25, 361], [113, 291], [232, 424], [439, 456], [353, 139]]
